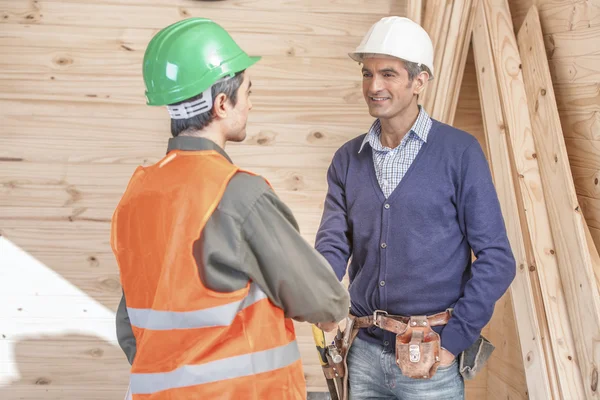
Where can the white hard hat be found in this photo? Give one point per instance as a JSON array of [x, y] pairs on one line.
[[398, 37]]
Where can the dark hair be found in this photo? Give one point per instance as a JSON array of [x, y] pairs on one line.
[[228, 87], [415, 69]]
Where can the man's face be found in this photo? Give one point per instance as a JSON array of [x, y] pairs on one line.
[[386, 87], [239, 113]]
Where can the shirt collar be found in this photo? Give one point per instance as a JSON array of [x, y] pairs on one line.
[[194, 143], [420, 129]]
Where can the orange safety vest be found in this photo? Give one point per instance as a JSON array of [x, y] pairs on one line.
[[193, 342]]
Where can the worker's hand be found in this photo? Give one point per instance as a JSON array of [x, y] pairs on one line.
[[327, 326], [446, 358]]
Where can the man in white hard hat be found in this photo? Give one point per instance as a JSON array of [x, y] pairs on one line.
[[407, 202]]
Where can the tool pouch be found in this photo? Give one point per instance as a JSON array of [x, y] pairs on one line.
[[418, 349]]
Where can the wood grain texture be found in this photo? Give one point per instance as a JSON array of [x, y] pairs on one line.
[[538, 366], [516, 115], [558, 15], [73, 13], [581, 42], [576, 264], [75, 125]]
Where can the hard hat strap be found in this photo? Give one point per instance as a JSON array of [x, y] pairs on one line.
[[201, 105]]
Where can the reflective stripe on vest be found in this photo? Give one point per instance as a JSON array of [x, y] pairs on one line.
[[228, 368], [216, 316]]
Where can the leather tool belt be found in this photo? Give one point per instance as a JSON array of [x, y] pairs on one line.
[[417, 345]]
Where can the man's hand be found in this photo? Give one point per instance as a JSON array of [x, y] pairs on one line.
[[446, 358], [327, 326]]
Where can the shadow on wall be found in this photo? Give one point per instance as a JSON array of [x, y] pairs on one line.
[[53, 367]]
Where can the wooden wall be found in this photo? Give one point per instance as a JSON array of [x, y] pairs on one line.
[[74, 126]]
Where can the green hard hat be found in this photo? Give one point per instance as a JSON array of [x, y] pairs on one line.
[[188, 57]]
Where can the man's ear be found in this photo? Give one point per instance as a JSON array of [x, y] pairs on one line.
[[220, 106], [420, 82]]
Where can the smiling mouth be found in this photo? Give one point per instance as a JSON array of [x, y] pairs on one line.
[[378, 99]]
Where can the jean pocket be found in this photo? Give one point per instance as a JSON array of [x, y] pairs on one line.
[[449, 366]]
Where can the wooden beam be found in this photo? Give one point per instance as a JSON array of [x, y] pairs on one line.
[[467, 19], [576, 264], [540, 374], [516, 117], [415, 10], [454, 39], [436, 21]]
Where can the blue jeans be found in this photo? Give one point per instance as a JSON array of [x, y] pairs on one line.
[[374, 374]]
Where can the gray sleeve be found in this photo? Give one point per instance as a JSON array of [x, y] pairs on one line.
[[124, 332], [290, 271]]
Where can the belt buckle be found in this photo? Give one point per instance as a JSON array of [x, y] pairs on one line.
[[375, 314]]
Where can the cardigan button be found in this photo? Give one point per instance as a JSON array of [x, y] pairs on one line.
[[387, 206], [383, 245]]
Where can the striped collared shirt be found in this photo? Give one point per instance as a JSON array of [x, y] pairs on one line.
[[391, 164]]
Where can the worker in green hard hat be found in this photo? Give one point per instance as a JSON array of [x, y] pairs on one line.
[[211, 262]]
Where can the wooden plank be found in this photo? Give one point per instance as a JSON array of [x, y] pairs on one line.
[[506, 364], [128, 91], [468, 112], [436, 21], [580, 125], [559, 16], [529, 192], [573, 43], [415, 10], [236, 20], [364, 7], [244, 156], [90, 64], [55, 235], [583, 152], [272, 114], [70, 38], [452, 65], [458, 64], [587, 182], [104, 176], [576, 265], [91, 202], [578, 97], [155, 134], [577, 70], [540, 374], [590, 207]]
